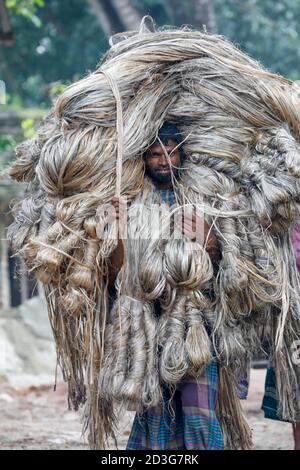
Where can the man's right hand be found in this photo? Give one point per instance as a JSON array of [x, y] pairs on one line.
[[119, 213]]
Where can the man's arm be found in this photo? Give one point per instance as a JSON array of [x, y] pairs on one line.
[[115, 263], [116, 259], [212, 245], [198, 229]]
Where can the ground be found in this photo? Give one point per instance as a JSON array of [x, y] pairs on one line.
[[35, 417]]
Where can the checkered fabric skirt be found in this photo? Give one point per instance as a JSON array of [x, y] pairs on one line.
[[185, 421]]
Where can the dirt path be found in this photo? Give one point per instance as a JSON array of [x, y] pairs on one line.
[[37, 418]]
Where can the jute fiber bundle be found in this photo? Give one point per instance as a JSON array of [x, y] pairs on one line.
[[241, 129]]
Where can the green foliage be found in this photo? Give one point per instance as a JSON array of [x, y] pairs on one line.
[[28, 128], [26, 8], [7, 142], [57, 88], [66, 41], [266, 29]]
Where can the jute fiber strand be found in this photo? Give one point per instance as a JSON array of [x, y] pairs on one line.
[[241, 129]]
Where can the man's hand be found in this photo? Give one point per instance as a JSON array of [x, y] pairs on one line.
[[118, 214], [196, 228]]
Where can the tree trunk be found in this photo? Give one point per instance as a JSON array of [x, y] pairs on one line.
[[115, 16], [205, 15], [106, 16], [6, 34], [127, 13]]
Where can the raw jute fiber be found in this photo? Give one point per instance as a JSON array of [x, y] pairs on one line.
[[241, 131]]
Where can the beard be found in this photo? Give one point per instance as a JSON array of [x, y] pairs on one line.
[[158, 177]]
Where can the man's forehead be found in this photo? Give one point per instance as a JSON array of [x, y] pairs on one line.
[[158, 146]]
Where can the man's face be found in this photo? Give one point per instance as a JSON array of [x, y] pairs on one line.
[[157, 164]]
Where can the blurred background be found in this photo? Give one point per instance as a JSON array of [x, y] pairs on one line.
[[44, 46]]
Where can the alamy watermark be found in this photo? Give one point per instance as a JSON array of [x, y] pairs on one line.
[[152, 222]]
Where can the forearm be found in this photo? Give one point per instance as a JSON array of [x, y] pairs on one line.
[[212, 246], [214, 252], [115, 262]]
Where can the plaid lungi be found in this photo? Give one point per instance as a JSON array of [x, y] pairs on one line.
[[187, 421], [270, 400]]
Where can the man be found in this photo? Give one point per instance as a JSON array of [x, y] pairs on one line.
[[157, 167], [193, 423]]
